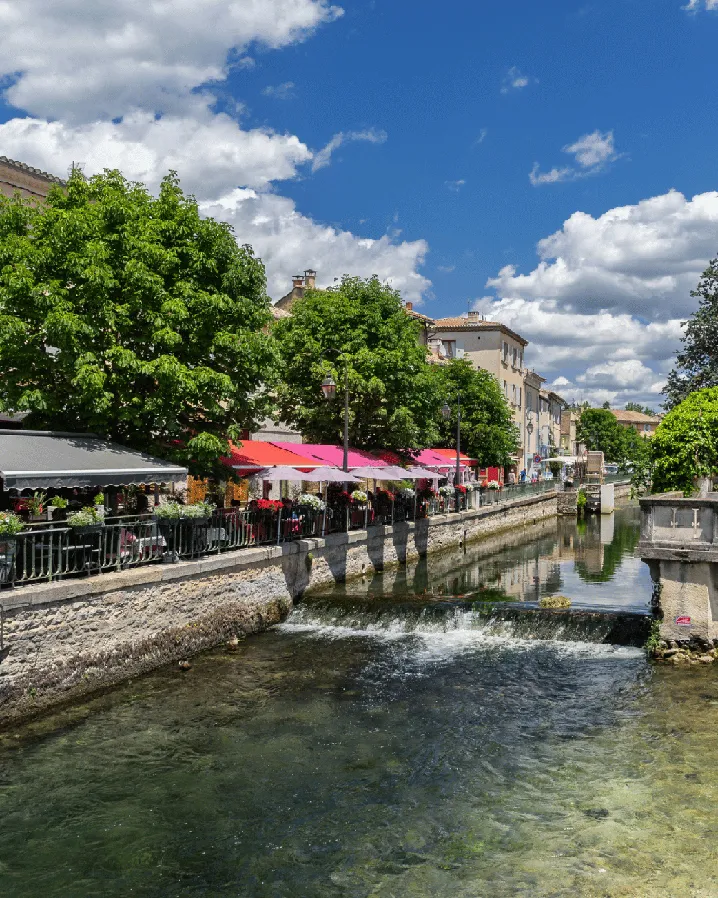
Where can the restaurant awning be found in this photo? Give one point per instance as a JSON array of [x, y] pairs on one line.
[[451, 455], [37, 459], [256, 455], [431, 458], [334, 455]]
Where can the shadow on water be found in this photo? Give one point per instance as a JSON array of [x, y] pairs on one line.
[[407, 760]]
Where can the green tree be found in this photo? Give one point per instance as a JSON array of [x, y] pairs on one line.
[[606, 404], [132, 317], [685, 445], [488, 432], [637, 407], [394, 398], [697, 363], [601, 432]]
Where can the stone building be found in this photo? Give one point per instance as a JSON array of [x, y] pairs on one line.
[[643, 424], [29, 182], [495, 348]]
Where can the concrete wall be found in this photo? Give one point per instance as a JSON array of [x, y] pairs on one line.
[[65, 639]]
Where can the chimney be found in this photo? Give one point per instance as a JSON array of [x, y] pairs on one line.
[[297, 281], [409, 306], [474, 316], [310, 279]]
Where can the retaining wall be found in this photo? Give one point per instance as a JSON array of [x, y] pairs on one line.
[[65, 639]]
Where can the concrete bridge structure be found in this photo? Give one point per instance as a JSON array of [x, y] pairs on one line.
[[679, 541]]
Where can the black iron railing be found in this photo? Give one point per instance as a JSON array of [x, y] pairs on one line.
[[52, 551]]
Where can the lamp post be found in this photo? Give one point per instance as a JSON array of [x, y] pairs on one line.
[[446, 412], [529, 431], [329, 388]]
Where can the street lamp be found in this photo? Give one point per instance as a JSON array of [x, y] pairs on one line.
[[446, 412], [329, 388]]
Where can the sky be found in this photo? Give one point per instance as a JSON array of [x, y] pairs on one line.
[[552, 165]]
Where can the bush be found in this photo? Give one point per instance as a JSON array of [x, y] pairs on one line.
[[685, 445], [87, 517]]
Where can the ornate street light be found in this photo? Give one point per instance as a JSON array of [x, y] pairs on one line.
[[329, 389], [446, 411]]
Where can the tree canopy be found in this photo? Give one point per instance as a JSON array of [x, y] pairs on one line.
[[394, 398], [697, 363], [132, 317], [637, 407], [601, 432], [488, 432], [685, 445]]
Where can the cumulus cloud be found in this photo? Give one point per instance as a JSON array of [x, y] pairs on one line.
[[697, 5], [129, 85], [592, 154], [603, 308], [643, 259], [88, 59], [324, 156], [514, 80], [288, 242], [455, 186], [284, 91], [211, 152]]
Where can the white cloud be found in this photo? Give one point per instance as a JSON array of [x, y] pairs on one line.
[[515, 79], [482, 137], [81, 60], [696, 5], [324, 156], [603, 308], [284, 91], [446, 269], [288, 242], [455, 186], [592, 154], [126, 84], [643, 259], [211, 153]]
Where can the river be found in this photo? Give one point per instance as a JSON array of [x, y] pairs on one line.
[[391, 740]]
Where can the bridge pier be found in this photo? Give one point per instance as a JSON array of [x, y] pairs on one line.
[[679, 541]]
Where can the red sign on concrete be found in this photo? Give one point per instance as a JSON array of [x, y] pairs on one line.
[[683, 621]]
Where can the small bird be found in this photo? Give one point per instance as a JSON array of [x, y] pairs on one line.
[[185, 665]]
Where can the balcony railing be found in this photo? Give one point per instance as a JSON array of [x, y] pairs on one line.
[[54, 551]]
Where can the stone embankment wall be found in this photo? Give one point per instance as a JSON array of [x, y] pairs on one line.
[[65, 639]]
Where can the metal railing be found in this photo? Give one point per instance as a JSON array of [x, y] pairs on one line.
[[47, 552]]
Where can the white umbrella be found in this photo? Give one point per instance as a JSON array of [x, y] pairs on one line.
[[370, 472], [330, 475], [281, 472], [421, 474], [393, 472]]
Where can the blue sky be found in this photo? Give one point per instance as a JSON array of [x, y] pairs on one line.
[[550, 164]]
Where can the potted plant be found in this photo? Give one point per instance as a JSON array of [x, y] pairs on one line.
[[359, 498], [99, 503], [36, 505], [10, 526], [57, 510], [307, 500], [87, 520]]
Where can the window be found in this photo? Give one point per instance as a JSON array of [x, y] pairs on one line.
[[506, 351], [521, 359], [449, 348], [529, 401], [519, 396], [506, 390], [513, 393], [646, 428]]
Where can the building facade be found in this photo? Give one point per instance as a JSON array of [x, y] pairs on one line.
[[493, 347], [645, 425], [29, 182]]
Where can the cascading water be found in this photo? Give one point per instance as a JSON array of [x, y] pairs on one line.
[[397, 619]]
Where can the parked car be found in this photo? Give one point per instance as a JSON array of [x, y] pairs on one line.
[[610, 468]]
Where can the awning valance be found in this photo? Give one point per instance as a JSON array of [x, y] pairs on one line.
[[35, 460]]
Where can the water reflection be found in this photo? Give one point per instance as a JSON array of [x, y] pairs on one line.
[[590, 561]]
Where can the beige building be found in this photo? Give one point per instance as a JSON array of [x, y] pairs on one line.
[[569, 441], [645, 425], [29, 182], [491, 346]]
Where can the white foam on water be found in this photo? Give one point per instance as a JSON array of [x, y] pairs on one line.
[[436, 638]]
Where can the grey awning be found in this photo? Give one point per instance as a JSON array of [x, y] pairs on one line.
[[35, 459]]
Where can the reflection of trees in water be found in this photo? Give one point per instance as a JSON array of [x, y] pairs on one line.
[[625, 539]]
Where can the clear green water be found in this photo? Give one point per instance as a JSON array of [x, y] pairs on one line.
[[356, 759]]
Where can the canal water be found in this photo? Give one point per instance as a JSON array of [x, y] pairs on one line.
[[392, 739]]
